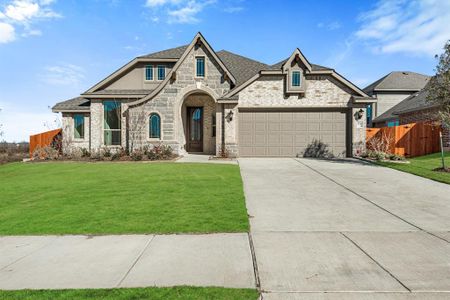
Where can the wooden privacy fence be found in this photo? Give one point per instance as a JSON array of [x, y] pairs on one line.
[[49, 138], [410, 140]]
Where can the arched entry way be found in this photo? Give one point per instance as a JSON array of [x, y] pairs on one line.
[[198, 114]]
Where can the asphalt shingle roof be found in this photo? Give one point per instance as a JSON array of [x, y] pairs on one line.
[[399, 80], [78, 103], [315, 67], [241, 67], [169, 53]]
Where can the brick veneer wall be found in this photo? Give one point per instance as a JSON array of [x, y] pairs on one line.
[[425, 116]]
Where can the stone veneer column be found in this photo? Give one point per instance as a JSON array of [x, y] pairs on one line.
[[96, 124], [358, 131]]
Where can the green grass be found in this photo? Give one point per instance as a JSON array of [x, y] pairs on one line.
[[181, 293], [120, 198], [423, 166]]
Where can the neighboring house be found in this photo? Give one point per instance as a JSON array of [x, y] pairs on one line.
[[389, 91], [183, 96], [414, 109]]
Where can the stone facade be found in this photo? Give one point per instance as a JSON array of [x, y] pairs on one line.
[[320, 91]]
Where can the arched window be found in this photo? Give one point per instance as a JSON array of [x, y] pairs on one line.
[[154, 130]]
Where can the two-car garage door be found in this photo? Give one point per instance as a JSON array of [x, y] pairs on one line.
[[288, 133]]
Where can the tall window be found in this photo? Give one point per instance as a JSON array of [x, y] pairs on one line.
[[154, 126], [112, 118], [296, 80], [78, 124], [161, 72], [369, 114], [149, 72], [200, 69]]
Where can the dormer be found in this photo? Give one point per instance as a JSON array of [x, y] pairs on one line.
[[295, 69]]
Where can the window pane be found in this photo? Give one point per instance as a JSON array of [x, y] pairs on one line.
[[112, 137], [295, 78], [112, 114], [149, 72], [369, 113], [155, 126], [78, 121], [112, 124], [161, 72], [200, 67]]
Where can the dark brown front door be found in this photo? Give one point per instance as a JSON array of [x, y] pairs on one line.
[[195, 129]]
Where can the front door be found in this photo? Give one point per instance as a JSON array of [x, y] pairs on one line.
[[195, 129]]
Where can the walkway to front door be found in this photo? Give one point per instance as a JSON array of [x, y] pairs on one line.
[[195, 129]]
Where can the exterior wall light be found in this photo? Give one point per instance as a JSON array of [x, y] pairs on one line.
[[359, 114], [229, 116]]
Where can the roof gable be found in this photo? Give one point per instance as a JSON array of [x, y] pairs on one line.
[[198, 39], [297, 55], [399, 81]]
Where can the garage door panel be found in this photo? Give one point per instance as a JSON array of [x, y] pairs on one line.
[[273, 139], [286, 127], [313, 126], [260, 126], [274, 127], [289, 133], [245, 139], [260, 139], [327, 126]]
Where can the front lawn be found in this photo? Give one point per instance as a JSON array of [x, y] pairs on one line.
[[120, 198], [423, 166], [181, 293]]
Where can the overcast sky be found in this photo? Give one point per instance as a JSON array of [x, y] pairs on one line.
[[52, 50]]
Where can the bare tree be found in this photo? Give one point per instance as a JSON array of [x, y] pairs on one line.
[[136, 126], [439, 91], [382, 142]]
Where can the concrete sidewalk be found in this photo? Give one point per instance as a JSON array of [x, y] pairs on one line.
[[62, 262]]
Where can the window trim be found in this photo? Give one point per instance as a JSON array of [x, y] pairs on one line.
[[160, 126], [153, 73], [204, 66], [299, 79], [157, 71], [103, 124], [74, 127]]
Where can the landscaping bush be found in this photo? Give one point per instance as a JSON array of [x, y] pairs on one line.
[[318, 149], [160, 152], [45, 153], [137, 155]]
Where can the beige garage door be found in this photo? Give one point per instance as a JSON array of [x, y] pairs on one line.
[[270, 133]]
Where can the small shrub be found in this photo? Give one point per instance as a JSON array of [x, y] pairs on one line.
[[45, 153], [96, 155], [137, 155], [106, 152], [85, 153], [396, 157], [318, 149], [160, 152]]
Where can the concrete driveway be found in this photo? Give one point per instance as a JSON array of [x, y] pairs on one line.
[[343, 227]]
